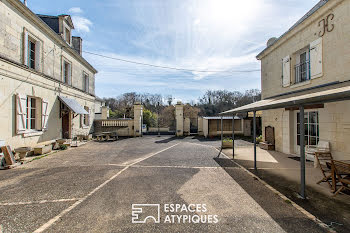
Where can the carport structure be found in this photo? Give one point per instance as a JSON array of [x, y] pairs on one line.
[[301, 102]]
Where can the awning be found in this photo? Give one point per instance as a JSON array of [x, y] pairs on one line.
[[73, 105], [219, 118], [332, 95]]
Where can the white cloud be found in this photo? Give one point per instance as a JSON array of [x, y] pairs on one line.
[[190, 34], [81, 24], [75, 10]]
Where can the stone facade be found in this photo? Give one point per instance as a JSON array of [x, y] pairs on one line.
[[327, 51], [44, 81]]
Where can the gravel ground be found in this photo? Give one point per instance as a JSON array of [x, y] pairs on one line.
[[92, 189]]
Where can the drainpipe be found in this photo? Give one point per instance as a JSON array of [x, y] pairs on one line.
[[233, 136], [222, 132]]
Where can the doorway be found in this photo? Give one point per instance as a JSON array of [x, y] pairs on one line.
[[312, 134], [66, 125]]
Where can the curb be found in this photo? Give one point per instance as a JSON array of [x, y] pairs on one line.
[[283, 197]]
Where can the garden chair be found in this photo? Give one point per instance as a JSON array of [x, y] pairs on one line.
[[342, 171], [322, 146], [322, 158]]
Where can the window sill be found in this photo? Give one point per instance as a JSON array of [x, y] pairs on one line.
[[32, 133], [85, 127], [300, 84]]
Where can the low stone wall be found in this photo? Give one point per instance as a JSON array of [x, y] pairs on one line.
[[154, 129], [122, 127]]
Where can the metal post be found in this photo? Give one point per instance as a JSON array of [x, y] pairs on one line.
[[233, 136], [302, 152], [222, 132], [254, 137]]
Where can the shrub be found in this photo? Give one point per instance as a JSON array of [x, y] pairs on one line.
[[63, 147]]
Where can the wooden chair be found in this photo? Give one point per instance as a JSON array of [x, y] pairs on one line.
[[342, 171], [322, 158]]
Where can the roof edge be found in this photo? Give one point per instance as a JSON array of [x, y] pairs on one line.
[[310, 13], [36, 19]]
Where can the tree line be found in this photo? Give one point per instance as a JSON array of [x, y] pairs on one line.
[[162, 109]]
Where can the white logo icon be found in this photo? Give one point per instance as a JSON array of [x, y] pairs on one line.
[[148, 211]]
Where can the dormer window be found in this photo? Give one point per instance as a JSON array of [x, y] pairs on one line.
[[67, 35]]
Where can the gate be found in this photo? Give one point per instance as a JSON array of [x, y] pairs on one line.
[[165, 123], [194, 125]]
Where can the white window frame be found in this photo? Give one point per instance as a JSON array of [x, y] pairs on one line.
[[29, 115], [308, 125], [86, 84], [85, 118], [29, 37], [69, 39], [23, 115], [299, 66], [67, 80]]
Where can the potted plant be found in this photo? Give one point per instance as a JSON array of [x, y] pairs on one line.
[[227, 143]]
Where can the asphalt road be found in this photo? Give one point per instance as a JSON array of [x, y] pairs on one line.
[[93, 188]]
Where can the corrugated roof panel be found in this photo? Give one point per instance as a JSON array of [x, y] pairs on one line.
[[73, 105], [332, 95]]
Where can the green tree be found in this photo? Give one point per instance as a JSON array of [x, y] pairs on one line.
[[149, 118]]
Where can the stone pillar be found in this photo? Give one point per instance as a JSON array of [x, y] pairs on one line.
[[104, 112], [200, 126], [179, 112], [205, 127], [138, 111]]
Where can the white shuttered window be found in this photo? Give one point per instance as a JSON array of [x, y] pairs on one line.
[[316, 58]]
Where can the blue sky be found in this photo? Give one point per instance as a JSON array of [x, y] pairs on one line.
[[216, 35]]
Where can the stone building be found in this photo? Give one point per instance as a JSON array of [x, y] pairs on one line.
[[308, 69], [313, 56], [47, 89]]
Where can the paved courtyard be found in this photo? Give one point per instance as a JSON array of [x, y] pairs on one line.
[[92, 189]]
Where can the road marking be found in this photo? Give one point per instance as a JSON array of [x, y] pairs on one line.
[[60, 215], [282, 196], [274, 168], [187, 167], [37, 202]]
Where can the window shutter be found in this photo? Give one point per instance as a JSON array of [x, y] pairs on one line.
[[21, 113], [25, 47], [38, 55], [286, 71], [44, 113], [316, 58]]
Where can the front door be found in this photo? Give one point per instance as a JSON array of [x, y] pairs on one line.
[[66, 125], [311, 121]]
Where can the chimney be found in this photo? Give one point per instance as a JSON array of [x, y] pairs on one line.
[[25, 2], [77, 44]]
